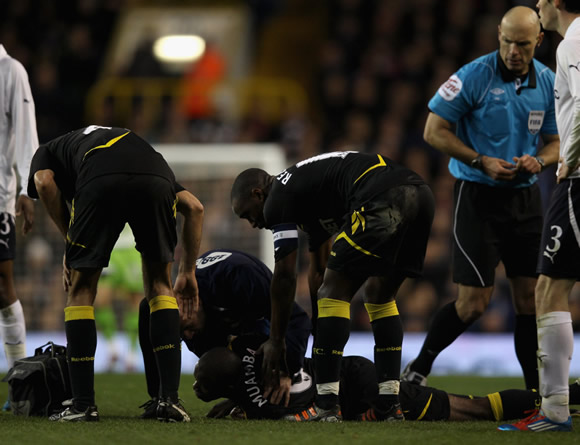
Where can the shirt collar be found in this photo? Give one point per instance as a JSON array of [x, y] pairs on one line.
[[573, 27], [508, 76], [3, 52]]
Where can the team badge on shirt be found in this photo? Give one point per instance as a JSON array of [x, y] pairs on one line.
[[450, 89], [535, 121], [211, 259]]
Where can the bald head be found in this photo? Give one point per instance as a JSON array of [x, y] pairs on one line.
[[248, 195], [519, 34], [523, 17]]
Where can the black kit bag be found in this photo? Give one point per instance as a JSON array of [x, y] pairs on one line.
[[39, 384]]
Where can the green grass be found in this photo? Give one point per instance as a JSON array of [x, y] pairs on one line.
[[118, 398]]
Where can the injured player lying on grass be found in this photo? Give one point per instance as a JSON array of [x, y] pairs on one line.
[[235, 374]]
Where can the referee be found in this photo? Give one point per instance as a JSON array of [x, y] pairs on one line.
[[499, 104]]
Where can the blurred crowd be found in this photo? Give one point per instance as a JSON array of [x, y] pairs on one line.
[[378, 65]]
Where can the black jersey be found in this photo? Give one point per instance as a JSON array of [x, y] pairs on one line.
[[234, 289], [249, 392], [82, 155], [317, 194], [358, 388]]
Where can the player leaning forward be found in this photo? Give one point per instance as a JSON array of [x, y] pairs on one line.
[[110, 176], [382, 215]]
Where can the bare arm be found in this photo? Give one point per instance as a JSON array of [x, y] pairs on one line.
[[318, 260], [25, 207], [55, 205], [282, 291], [549, 153], [572, 160], [185, 284], [52, 200], [438, 133]]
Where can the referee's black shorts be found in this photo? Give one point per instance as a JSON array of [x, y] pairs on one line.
[[101, 208], [493, 224]]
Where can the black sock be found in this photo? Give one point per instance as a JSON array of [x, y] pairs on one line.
[[515, 403], [445, 328], [151, 372], [332, 335], [81, 336], [166, 342], [526, 344], [388, 334], [574, 397]]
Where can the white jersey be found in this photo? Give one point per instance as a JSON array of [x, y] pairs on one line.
[[567, 88], [18, 136]]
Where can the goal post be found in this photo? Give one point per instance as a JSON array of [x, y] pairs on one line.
[[208, 171]]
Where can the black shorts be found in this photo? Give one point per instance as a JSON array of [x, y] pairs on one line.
[[423, 403], [102, 207], [493, 224], [388, 233], [7, 237], [560, 246], [359, 391]]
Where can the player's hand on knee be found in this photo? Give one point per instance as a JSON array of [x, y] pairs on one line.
[[186, 294]]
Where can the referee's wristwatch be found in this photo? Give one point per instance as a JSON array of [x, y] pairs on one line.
[[540, 161], [477, 163]]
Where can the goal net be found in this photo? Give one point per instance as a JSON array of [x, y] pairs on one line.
[[208, 171]]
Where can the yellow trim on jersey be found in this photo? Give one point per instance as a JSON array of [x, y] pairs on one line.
[[496, 405], [381, 163], [72, 243], [329, 307], [344, 236], [161, 302], [357, 219], [384, 310], [107, 145], [426, 407], [72, 214], [174, 207], [72, 313]]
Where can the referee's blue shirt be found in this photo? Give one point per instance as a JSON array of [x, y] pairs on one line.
[[497, 114]]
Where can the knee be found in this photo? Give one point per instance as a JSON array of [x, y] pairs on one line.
[[144, 307], [525, 304], [324, 291], [330, 291], [470, 310]]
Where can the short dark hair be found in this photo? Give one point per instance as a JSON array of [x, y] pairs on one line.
[[246, 181], [572, 6], [219, 370]]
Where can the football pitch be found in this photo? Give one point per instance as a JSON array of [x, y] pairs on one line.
[[118, 398]]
